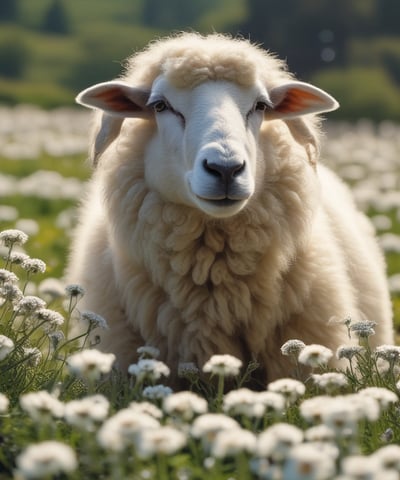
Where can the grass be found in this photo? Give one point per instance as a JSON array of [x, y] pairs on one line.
[[51, 238], [66, 165]]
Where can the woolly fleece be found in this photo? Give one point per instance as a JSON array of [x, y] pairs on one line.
[[294, 263]]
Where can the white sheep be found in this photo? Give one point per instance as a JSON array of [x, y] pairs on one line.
[[208, 227]]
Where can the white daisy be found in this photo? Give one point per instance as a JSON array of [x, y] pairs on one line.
[[185, 405], [90, 364], [208, 425], [13, 237], [6, 346], [330, 381], [276, 441], [309, 461], [362, 467], [292, 347], [243, 402], [87, 412], [389, 457], [290, 388], [383, 396], [224, 365], [228, 443], [315, 355], [120, 430], [148, 369], [146, 408], [41, 406], [165, 440], [46, 459], [4, 404]]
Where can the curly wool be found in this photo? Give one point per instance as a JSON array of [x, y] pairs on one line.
[[199, 278], [192, 286], [189, 59]]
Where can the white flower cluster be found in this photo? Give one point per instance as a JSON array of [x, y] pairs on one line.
[[41, 406], [46, 459], [6, 346], [12, 237], [281, 450], [251, 429], [315, 355], [148, 369], [253, 404], [90, 364], [27, 132], [224, 365], [87, 413], [184, 405]]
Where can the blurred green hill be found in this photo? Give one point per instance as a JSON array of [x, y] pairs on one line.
[[50, 49]]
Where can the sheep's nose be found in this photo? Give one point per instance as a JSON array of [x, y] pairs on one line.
[[225, 171]]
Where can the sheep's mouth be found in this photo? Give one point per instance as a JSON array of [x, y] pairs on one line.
[[220, 207], [223, 202]]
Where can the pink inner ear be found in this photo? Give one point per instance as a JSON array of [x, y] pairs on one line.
[[297, 99], [116, 100]]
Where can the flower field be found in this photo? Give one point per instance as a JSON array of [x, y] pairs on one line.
[[65, 412]]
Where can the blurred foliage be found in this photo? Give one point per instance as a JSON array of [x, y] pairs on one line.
[[362, 92], [14, 56], [62, 46], [174, 13], [301, 31], [56, 19], [9, 10], [99, 59], [383, 52], [48, 95]]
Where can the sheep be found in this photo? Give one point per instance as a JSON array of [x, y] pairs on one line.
[[208, 226]]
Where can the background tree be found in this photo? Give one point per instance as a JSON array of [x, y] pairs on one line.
[[173, 14], [14, 56], [387, 15], [310, 34], [9, 10], [56, 19]]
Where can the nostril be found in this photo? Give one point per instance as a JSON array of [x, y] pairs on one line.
[[224, 170], [211, 168], [238, 170]]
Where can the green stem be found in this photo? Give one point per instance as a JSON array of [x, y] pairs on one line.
[[220, 392], [91, 386], [242, 469], [162, 467], [63, 345], [28, 276], [8, 262]]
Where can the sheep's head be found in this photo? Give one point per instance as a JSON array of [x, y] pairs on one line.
[[204, 152]]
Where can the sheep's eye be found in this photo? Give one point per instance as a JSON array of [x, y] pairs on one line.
[[160, 106], [260, 106]]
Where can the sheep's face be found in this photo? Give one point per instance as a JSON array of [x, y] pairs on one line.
[[204, 150], [204, 153]]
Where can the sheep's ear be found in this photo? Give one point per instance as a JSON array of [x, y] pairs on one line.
[[116, 98], [297, 98]]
